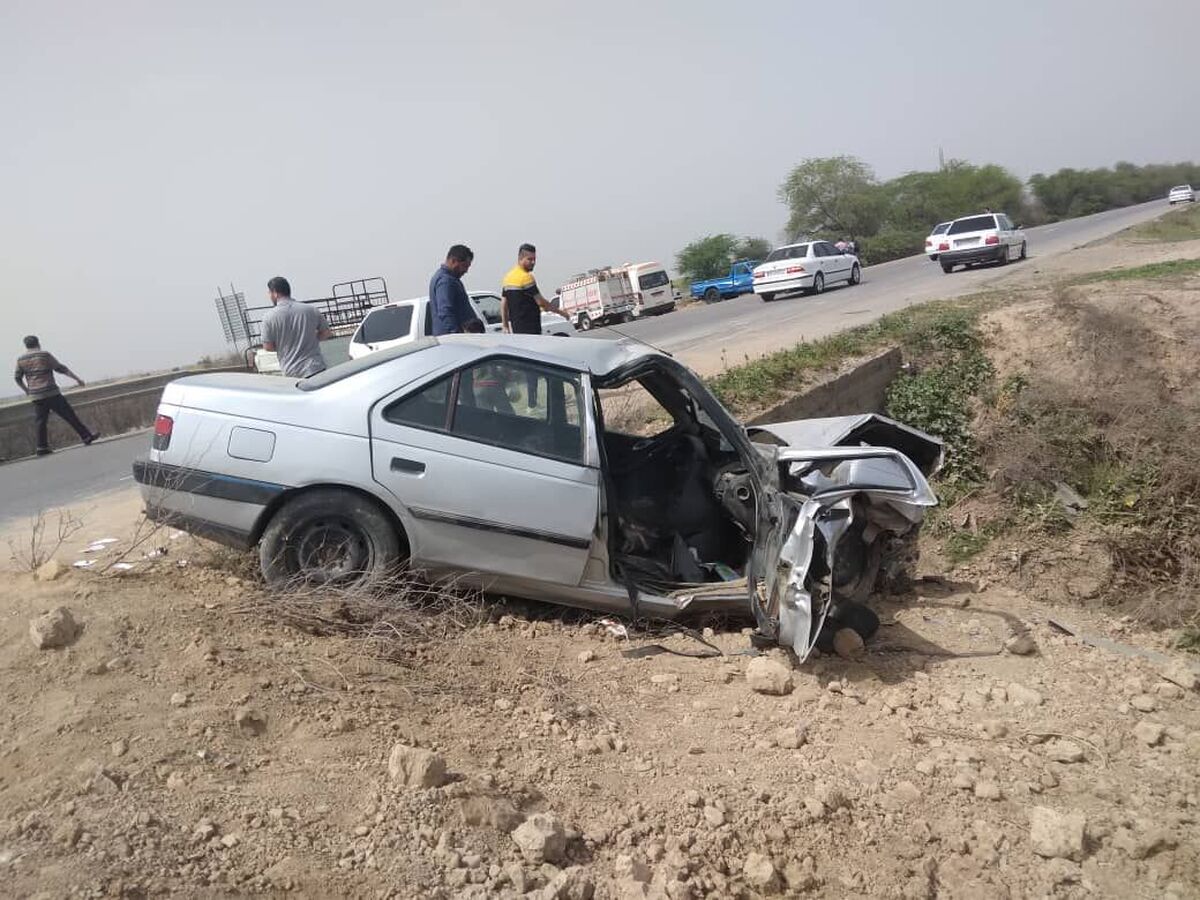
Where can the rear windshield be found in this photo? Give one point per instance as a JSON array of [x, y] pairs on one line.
[[1181, 187], [975, 223], [940, 229], [336, 373], [652, 280], [386, 324], [799, 251]]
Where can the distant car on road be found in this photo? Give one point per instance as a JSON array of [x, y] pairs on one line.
[[1181, 193], [931, 242], [405, 321], [805, 267], [740, 280], [987, 237]]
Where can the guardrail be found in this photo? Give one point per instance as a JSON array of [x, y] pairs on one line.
[[112, 408]]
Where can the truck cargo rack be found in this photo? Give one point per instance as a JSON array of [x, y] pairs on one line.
[[348, 304]]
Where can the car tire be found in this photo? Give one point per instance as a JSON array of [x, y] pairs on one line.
[[855, 275], [296, 544], [585, 322], [712, 295], [1024, 253], [1003, 256], [947, 268], [767, 298], [818, 285]]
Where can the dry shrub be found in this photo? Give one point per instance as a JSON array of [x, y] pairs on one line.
[[389, 617], [43, 540], [1115, 431]]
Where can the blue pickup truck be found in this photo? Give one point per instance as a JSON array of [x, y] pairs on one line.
[[740, 280]]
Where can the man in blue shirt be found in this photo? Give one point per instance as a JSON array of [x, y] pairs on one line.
[[452, 309]]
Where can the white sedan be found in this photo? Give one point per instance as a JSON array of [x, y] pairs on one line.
[[805, 267], [934, 239], [987, 237], [1181, 193]]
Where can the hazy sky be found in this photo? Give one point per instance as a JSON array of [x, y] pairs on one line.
[[150, 151]]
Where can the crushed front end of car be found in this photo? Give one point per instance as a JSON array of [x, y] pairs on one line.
[[851, 495]]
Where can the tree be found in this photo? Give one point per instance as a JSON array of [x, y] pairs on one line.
[[709, 257], [753, 248], [834, 196]]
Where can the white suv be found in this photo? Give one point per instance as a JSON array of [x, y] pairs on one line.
[[987, 237], [1181, 193]]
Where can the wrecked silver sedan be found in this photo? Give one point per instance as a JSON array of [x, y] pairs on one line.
[[592, 473]]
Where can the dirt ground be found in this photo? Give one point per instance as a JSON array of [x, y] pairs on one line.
[[186, 743]]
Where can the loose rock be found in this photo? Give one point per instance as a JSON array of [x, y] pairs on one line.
[[416, 767], [1024, 696], [769, 676], [759, 871], [179, 698], [1149, 733], [1056, 835], [848, 644], [494, 812], [1144, 703], [50, 570], [541, 838], [56, 628], [1021, 645], [1064, 751], [250, 721]]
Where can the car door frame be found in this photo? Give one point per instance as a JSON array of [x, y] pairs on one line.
[[464, 532], [496, 326]]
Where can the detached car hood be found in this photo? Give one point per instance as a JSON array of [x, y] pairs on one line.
[[862, 430]]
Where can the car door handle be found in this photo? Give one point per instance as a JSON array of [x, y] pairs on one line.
[[411, 466]]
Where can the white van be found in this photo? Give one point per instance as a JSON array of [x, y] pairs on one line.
[[652, 288]]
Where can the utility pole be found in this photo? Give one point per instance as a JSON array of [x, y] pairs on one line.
[[941, 160]]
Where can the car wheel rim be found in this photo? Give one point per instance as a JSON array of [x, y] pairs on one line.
[[819, 284], [330, 549]]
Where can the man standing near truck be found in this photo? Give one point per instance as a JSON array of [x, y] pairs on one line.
[[35, 376], [452, 310], [294, 331]]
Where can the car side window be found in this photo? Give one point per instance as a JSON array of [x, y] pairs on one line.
[[489, 308], [521, 406], [427, 408], [822, 249]]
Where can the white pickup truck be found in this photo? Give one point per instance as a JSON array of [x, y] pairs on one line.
[[404, 321]]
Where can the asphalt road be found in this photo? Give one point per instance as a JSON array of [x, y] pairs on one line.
[[701, 336], [747, 325], [68, 477]]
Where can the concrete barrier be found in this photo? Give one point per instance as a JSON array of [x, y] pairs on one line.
[[111, 408], [861, 388]]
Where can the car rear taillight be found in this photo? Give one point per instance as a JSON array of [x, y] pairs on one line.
[[992, 239], [760, 274], [795, 270], [943, 246], [163, 426], [929, 243]]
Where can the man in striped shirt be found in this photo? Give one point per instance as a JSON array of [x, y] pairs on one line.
[[35, 376]]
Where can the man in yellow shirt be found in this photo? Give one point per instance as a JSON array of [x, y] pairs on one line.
[[521, 307], [522, 304]]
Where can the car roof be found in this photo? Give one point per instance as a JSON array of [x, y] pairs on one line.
[[596, 355], [977, 215], [425, 297]]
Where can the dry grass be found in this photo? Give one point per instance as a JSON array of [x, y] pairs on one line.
[[1108, 419], [389, 618]]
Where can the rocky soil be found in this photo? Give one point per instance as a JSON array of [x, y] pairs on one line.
[[178, 746]]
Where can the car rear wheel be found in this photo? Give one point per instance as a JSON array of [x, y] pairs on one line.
[[855, 274], [767, 298], [818, 286], [712, 295], [1004, 255], [1024, 254], [329, 536], [947, 268], [585, 322]]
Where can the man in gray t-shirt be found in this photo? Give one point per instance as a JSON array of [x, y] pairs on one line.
[[294, 332]]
